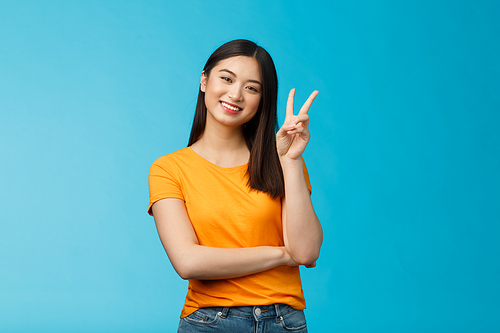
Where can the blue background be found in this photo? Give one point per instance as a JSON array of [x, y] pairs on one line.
[[404, 157]]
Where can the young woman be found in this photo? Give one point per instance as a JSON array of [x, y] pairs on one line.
[[233, 209]]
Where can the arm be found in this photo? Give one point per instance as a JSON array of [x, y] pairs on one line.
[[194, 261], [302, 230]]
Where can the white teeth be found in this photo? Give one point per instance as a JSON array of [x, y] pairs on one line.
[[230, 107]]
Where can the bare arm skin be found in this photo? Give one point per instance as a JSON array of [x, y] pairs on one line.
[[302, 230], [194, 261]]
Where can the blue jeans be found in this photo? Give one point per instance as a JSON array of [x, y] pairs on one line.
[[241, 319]]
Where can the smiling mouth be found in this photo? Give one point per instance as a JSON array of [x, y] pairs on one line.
[[230, 107]]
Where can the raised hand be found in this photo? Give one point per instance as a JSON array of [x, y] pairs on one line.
[[293, 136]]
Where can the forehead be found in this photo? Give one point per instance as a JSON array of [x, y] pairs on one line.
[[243, 66]]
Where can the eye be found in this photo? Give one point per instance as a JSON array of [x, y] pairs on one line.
[[253, 89], [225, 78]]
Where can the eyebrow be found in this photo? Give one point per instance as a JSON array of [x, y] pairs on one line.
[[232, 73]]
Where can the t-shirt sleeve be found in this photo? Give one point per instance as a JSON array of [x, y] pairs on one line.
[[306, 176], [164, 181]]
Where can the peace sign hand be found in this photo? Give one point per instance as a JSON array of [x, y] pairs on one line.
[[293, 136]]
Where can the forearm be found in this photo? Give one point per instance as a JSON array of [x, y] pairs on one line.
[[302, 230], [194, 261], [208, 263]]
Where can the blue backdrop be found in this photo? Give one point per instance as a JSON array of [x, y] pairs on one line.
[[404, 157]]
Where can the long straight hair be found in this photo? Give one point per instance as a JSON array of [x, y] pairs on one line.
[[264, 168]]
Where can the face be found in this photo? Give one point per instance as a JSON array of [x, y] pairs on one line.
[[233, 91]]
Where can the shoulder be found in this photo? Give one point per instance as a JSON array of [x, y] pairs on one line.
[[168, 161], [166, 176]]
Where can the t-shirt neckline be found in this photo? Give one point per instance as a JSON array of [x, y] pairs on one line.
[[207, 162]]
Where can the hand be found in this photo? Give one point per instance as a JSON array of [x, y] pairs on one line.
[[293, 136]]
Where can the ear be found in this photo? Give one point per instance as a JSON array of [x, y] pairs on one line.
[[203, 81]]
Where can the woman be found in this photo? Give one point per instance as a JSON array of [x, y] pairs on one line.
[[233, 209]]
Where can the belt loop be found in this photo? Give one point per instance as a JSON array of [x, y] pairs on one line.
[[225, 311], [278, 313]]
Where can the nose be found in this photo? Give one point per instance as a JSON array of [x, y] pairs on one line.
[[235, 93]]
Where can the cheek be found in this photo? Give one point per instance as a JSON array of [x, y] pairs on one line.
[[213, 90], [255, 106], [255, 102]]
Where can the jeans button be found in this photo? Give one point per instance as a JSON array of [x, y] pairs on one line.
[[258, 312]]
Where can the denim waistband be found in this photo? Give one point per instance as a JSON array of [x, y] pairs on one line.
[[258, 312]]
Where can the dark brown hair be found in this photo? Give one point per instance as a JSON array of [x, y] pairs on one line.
[[264, 169]]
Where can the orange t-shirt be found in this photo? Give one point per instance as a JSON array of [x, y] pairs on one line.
[[226, 213]]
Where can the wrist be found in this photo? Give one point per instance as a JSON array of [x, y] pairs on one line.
[[287, 162], [285, 257]]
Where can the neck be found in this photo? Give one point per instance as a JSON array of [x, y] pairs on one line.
[[222, 145]]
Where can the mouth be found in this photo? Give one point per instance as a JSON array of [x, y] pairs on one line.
[[230, 107]]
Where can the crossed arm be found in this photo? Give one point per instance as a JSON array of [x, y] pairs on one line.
[[301, 228], [194, 261]]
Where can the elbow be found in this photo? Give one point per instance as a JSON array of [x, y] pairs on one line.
[[185, 269], [306, 254], [185, 263], [183, 273], [306, 258]]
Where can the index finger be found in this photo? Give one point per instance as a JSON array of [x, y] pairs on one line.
[[289, 103], [307, 104]]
